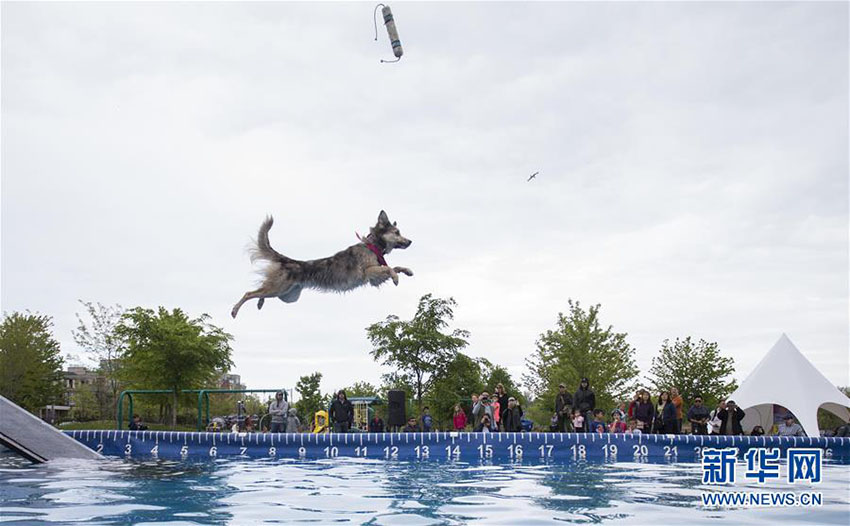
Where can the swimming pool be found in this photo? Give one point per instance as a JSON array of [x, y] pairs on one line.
[[243, 491]]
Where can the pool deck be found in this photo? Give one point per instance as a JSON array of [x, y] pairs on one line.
[[440, 445]]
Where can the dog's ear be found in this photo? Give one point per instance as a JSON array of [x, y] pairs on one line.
[[395, 223], [383, 219]]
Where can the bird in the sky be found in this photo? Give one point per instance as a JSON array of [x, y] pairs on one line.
[[532, 176]]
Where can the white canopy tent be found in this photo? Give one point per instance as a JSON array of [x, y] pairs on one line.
[[785, 377]]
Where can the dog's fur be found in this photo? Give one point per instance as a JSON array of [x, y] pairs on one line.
[[353, 267]]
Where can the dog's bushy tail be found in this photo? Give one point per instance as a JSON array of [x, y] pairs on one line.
[[263, 249]]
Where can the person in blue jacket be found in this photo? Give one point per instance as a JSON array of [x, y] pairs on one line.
[[427, 420]]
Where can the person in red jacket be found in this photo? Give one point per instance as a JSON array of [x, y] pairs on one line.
[[459, 418]]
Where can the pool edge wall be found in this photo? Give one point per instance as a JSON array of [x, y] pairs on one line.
[[531, 446]]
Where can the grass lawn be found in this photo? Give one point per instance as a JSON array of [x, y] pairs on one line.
[[110, 424]]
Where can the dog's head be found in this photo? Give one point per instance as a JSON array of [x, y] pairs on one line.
[[388, 234]]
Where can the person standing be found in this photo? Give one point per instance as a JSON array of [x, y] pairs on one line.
[[632, 404], [713, 420], [497, 411], [376, 425], [459, 418], [342, 413], [293, 423], [279, 409], [563, 408], [476, 417], [513, 417], [665, 416], [698, 417], [427, 420], [578, 422], [597, 425], [585, 400], [677, 401], [617, 424], [483, 407], [644, 413], [502, 399], [621, 410], [730, 419]]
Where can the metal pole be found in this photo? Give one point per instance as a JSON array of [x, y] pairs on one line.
[[200, 399], [120, 410]]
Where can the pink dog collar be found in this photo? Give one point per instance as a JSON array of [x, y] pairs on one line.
[[375, 250]]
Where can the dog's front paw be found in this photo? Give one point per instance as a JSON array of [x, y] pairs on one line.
[[404, 270], [394, 277]]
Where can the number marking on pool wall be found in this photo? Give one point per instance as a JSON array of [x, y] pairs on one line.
[[439, 446]]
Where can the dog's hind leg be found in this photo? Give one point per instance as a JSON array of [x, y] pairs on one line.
[[291, 295], [262, 292]]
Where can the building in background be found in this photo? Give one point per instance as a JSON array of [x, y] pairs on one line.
[[231, 381]]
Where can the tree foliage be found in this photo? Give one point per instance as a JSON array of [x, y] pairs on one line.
[[494, 374], [455, 383], [310, 398], [168, 350], [98, 338], [85, 403], [695, 369], [418, 349], [580, 347], [30, 363], [828, 420], [361, 389]]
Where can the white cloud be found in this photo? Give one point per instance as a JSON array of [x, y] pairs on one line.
[[693, 163]]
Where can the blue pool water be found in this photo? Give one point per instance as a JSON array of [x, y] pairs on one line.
[[363, 491]]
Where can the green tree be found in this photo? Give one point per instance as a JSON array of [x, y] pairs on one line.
[[310, 398], [85, 403], [417, 349], [695, 369], [30, 363], [361, 389], [580, 347], [828, 420], [456, 382], [169, 350], [98, 337], [494, 374]]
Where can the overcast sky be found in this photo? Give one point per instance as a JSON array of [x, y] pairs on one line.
[[693, 167]]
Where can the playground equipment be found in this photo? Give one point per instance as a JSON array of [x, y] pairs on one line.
[[363, 410], [203, 401]]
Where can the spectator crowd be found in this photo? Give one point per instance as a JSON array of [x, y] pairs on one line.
[[573, 412], [665, 414]]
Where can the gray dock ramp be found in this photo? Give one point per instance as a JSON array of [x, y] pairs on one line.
[[34, 439]]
